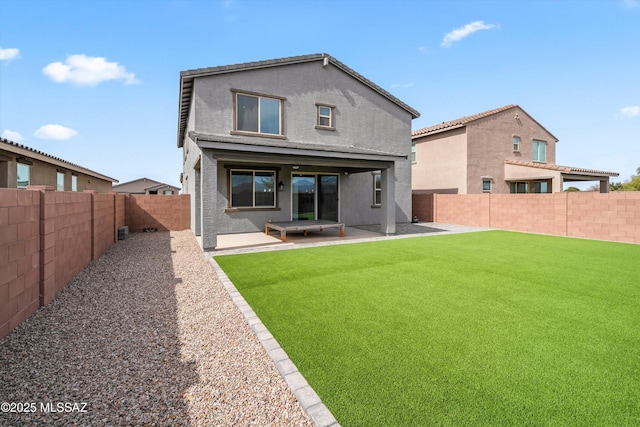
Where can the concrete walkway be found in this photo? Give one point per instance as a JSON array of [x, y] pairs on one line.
[[259, 241]]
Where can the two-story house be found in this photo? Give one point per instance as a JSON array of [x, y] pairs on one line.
[[292, 139], [498, 151]]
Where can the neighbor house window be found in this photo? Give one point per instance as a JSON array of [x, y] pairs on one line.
[[325, 116], [540, 187], [530, 186], [539, 151], [516, 143], [74, 183], [24, 173], [413, 152], [167, 192], [60, 181], [258, 114], [377, 189], [519, 187], [486, 186], [253, 189]]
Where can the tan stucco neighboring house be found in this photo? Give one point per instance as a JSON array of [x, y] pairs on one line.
[[145, 186], [21, 166], [498, 151]]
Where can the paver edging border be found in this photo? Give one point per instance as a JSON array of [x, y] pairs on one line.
[[303, 392]]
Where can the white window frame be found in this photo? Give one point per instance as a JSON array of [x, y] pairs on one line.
[[535, 154], [28, 170], [377, 179], [516, 143], [59, 185], [486, 180], [74, 182], [258, 96], [330, 116], [253, 190], [413, 152]]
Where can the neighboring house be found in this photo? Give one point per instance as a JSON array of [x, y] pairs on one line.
[[21, 166], [297, 138], [145, 186], [499, 151]]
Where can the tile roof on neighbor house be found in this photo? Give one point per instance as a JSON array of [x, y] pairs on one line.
[[565, 169], [463, 121], [186, 82], [23, 150], [141, 185]]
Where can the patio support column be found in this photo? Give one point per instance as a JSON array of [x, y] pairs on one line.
[[208, 187], [604, 185], [388, 200], [198, 202]]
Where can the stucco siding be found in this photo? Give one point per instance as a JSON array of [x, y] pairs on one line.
[[42, 173], [362, 118], [491, 143], [441, 162]]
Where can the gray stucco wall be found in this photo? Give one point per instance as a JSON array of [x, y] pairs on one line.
[[363, 118]]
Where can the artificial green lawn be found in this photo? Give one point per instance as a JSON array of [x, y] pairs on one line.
[[490, 328]]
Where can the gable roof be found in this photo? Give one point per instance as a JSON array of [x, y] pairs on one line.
[[187, 77], [464, 121], [23, 150], [141, 184]]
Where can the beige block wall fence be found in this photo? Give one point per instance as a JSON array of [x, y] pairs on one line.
[[612, 216], [47, 237]]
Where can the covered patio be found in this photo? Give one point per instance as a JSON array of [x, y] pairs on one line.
[[349, 168], [546, 178]]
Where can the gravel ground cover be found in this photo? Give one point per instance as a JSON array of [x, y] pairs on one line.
[[145, 335]]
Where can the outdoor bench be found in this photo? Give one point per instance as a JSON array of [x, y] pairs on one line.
[[304, 226]]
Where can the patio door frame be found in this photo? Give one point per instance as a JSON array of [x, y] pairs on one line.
[[317, 176]]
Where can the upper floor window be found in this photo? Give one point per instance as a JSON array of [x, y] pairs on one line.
[[539, 151], [324, 116], [258, 114], [516, 143], [60, 181], [24, 173], [413, 152]]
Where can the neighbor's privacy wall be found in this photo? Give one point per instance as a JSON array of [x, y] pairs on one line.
[[47, 237], [605, 216]]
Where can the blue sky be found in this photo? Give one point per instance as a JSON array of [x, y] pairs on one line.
[[96, 82]]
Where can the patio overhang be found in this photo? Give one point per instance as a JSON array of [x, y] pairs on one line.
[[533, 171], [349, 159]]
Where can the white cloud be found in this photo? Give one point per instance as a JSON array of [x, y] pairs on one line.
[[631, 111], [462, 32], [12, 136], [86, 70], [9, 54], [58, 132]]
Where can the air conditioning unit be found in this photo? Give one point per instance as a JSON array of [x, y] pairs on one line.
[[123, 232]]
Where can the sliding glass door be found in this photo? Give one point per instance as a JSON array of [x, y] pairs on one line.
[[314, 196], [303, 188]]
